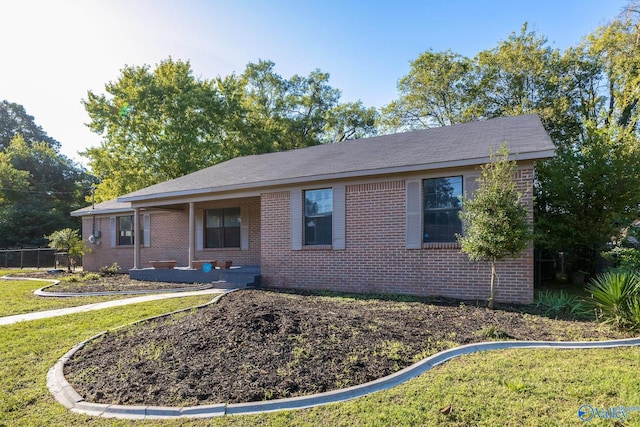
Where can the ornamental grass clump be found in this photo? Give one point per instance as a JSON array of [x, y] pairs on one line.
[[615, 298], [554, 303]]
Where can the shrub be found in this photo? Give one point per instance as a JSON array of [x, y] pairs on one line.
[[623, 257], [110, 270], [69, 242], [91, 276], [615, 298], [553, 303]]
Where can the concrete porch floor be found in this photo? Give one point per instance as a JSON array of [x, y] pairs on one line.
[[235, 276]]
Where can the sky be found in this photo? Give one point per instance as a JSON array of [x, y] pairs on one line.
[[54, 51]]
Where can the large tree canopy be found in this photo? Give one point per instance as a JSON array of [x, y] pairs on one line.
[[589, 193], [436, 92], [14, 120], [164, 123], [39, 187], [587, 98], [157, 125]]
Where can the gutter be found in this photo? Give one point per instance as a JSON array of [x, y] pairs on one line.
[[538, 155]]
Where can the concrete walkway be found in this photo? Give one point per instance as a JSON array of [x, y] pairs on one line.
[[101, 305]]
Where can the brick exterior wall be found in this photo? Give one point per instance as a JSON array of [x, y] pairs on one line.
[[170, 239], [103, 254], [239, 257], [376, 259]]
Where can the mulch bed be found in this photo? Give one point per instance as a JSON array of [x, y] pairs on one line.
[[116, 282], [260, 345]]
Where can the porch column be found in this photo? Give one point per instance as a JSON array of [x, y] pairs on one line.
[[136, 238], [192, 232]]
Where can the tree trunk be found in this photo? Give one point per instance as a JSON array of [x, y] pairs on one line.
[[69, 260], [493, 289]]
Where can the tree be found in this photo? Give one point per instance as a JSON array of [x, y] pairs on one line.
[[39, 187], [434, 93], [70, 242], [587, 194], [13, 182], [349, 121], [281, 114], [496, 221], [519, 76], [156, 125], [587, 98], [163, 123], [14, 121], [617, 48]]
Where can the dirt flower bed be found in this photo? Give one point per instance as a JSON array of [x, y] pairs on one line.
[[259, 345], [78, 283]]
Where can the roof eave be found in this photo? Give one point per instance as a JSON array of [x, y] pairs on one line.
[[535, 155], [82, 212]]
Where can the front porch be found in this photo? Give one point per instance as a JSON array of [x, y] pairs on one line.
[[241, 276]]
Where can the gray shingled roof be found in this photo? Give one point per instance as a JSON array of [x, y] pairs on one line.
[[110, 206], [457, 145]]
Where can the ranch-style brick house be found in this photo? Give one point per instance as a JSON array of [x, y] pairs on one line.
[[374, 215]]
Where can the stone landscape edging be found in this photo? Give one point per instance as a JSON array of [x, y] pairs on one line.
[[64, 393], [43, 293], [55, 281]]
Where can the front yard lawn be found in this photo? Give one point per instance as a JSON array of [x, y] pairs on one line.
[[508, 388], [17, 298], [259, 345]]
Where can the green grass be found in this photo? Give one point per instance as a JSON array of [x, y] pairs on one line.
[[17, 298], [506, 388], [29, 349], [503, 388]]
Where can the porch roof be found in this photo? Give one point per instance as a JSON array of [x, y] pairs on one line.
[[451, 146], [109, 207]]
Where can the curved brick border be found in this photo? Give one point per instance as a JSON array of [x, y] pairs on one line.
[[64, 393]]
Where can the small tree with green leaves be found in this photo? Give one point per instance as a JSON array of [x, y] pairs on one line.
[[496, 222], [69, 241]]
